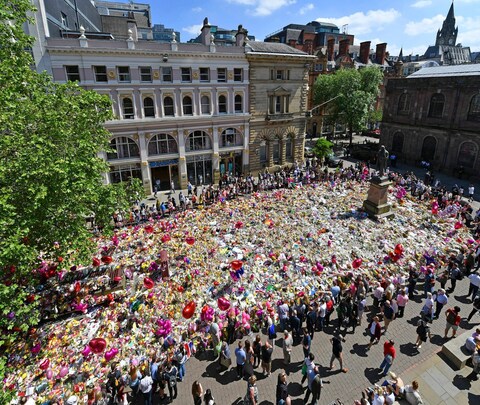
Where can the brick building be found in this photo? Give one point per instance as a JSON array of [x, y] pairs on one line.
[[434, 116]]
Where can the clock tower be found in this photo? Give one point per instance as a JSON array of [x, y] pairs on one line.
[[448, 34]]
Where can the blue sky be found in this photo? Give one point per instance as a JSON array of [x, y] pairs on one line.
[[411, 24]]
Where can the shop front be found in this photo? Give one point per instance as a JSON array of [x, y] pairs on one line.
[[231, 163], [199, 169], [162, 173]]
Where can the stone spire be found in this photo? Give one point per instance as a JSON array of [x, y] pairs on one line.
[[400, 55], [448, 34]]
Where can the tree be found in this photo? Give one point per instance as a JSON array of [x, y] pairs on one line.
[[352, 93], [322, 148]]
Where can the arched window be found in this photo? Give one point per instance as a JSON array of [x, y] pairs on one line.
[[275, 145], [168, 109], [127, 105], [123, 148], [162, 144], [467, 154], [231, 137], [289, 147], [397, 143], [428, 148], [187, 105], [205, 104], [404, 104], [148, 107], [474, 110], [222, 104], [238, 103], [198, 140], [437, 102]]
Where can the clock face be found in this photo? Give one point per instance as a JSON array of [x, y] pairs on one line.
[[450, 41]]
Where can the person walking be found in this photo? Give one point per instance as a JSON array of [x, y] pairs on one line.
[[474, 279], [287, 347], [197, 393], [224, 360], [251, 397], [145, 387], [308, 364], [455, 275], [337, 352], [208, 398], [441, 300], [389, 354], [306, 343], [267, 351], [311, 374], [170, 376], [361, 307], [388, 315], [375, 331], [241, 357], [257, 351], [311, 321], [476, 307], [427, 309], [453, 320], [402, 301], [423, 331]]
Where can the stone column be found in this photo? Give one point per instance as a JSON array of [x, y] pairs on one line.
[[270, 153], [216, 156], [283, 151], [146, 178], [182, 163]]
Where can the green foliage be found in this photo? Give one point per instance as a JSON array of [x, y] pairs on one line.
[[322, 148], [357, 91]]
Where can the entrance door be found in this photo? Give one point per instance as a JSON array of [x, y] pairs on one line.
[[161, 174]]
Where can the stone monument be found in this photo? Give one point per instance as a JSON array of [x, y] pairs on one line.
[[376, 205]]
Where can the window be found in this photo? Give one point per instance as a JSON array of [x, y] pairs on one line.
[[205, 104], [429, 148], [467, 155], [187, 105], [204, 74], [186, 74], [146, 74], [125, 173], [198, 140], [231, 137], [397, 143], [279, 74], [275, 150], [437, 103], [168, 109], [318, 67], [123, 74], [64, 19], [162, 144], [404, 104], [166, 74], [474, 110], [128, 112], [100, 74], [123, 148], [222, 75], [263, 152], [289, 148], [238, 75], [238, 104], [148, 107], [73, 73], [279, 104], [222, 104]]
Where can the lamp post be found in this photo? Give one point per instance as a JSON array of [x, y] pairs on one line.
[[308, 113]]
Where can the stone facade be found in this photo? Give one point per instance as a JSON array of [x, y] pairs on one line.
[[434, 116], [278, 97]]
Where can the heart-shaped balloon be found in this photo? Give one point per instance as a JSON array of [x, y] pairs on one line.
[[63, 372], [190, 240], [44, 364], [149, 229], [357, 263], [36, 348], [86, 351], [110, 354], [399, 249], [236, 264], [148, 283], [107, 259], [166, 238], [49, 374], [223, 304], [95, 262], [189, 310], [97, 345]]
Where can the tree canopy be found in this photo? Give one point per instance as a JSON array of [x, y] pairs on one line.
[[350, 95]]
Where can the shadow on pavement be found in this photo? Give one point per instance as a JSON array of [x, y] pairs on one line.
[[359, 350], [437, 340], [373, 374], [409, 349], [461, 382], [462, 298], [413, 321], [473, 399], [295, 389], [225, 378]]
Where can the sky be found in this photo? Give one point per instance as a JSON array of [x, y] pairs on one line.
[[408, 24]]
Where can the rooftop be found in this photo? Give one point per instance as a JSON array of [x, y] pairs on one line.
[[447, 71], [272, 47]]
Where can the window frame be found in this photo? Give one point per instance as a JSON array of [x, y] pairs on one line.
[[403, 107], [205, 72], [238, 103], [167, 72], [162, 144], [186, 74], [76, 74], [145, 107], [204, 141], [125, 143], [474, 108], [124, 77], [165, 106], [222, 106], [237, 74], [98, 74], [222, 77], [142, 74], [434, 105], [202, 105], [130, 115], [187, 109]]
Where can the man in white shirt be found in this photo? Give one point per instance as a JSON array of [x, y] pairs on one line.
[[322, 312], [474, 285]]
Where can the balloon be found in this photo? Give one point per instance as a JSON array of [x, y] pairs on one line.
[[117, 279], [110, 297], [149, 229], [30, 298], [190, 240], [107, 259], [49, 374], [357, 263], [10, 315], [166, 238], [77, 287], [95, 262], [458, 225], [109, 355], [44, 364], [399, 249], [135, 362], [36, 348], [165, 327], [223, 304], [236, 264], [180, 288], [86, 351], [82, 307], [207, 314], [239, 225], [189, 310], [63, 372], [97, 345], [148, 283]]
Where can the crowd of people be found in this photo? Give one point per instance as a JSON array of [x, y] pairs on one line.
[[343, 303]]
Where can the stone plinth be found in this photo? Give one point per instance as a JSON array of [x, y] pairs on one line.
[[376, 205]]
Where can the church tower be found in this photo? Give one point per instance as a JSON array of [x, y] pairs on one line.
[[448, 34]]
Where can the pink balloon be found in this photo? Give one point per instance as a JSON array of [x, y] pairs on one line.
[[223, 304], [36, 348], [49, 374], [86, 351], [63, 372], [135, 362], [110, 354]]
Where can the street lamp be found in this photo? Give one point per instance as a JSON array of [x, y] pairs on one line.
[[308, 113]]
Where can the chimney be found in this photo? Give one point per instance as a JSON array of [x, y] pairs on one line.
[[205, 34], [381, 53], [364, 52], [240, 36], [330, 48], [344, 47]]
